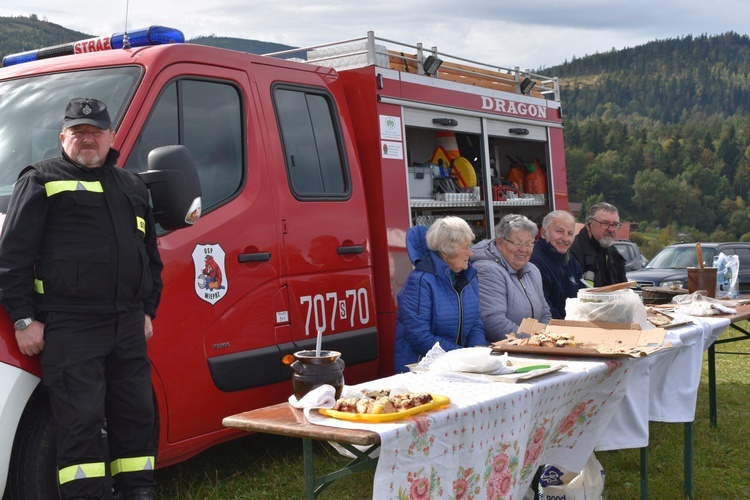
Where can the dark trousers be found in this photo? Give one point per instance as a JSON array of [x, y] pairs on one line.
[[96, 366]]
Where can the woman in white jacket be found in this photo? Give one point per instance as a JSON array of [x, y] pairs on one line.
[[510, 287]]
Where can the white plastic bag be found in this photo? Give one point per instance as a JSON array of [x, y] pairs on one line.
[[728, 269], [620, 306], [472, 360], [697, 304], [558, 483]]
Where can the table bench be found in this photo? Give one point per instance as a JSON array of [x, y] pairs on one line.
[[284, 420]]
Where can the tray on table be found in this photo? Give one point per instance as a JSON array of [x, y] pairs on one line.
[[437, 402]]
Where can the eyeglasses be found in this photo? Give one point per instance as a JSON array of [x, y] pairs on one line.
[[517, 244], [608, 225]]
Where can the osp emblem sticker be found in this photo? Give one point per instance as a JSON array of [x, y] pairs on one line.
[[211, 283]]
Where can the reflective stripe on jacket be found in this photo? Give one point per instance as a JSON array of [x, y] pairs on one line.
[[82, 239]]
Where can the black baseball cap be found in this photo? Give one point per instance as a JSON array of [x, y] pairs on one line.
[[84, 111]]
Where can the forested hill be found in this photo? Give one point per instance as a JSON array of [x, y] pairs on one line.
[[668, 80], [19, 34], [662, 131]]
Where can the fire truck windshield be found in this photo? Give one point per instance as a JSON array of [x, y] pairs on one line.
[[31, 113]]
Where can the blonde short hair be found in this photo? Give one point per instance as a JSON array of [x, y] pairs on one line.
[[445, 235]]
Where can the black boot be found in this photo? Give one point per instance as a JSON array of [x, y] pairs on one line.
[[140, 494]]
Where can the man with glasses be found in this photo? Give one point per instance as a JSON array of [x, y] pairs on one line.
[[593, 247]]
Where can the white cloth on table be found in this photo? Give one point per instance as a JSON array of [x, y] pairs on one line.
[[673, 388], [323, 396], [665, 387], [718, 326], [629, 425]]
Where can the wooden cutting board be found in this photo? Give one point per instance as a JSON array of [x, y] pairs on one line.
[[612, 288]]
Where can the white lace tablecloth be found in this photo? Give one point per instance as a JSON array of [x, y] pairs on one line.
[[490, 440], [664, 388]]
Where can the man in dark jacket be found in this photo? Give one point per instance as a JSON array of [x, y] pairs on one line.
[[593, 247], [80, 277], [561, 273]]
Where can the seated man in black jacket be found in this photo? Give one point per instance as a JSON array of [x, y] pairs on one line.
[[561, 273], [602, 264]]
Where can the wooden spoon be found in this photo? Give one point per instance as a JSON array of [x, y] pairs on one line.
[[699, 252]]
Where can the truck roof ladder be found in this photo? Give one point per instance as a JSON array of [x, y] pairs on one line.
[[381, 52]]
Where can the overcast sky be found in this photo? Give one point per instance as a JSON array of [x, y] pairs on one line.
[[506, 33]]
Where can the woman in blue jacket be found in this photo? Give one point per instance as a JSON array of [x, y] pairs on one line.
[[440, 299]]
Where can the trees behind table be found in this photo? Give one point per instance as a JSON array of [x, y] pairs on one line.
[[662, 131]]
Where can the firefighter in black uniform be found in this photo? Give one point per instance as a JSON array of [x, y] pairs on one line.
[[80, 277]]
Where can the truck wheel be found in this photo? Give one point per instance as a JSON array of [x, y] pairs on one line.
[[33, 469]]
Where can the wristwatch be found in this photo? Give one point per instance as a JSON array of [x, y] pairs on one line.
[[22, 324]]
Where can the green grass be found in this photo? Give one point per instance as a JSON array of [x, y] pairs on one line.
[[257, 466], [264, 466], [722, 461]]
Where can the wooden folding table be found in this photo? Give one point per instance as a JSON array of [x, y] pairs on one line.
[[284, 420]]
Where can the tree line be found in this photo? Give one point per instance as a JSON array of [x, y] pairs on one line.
[[662, 131]]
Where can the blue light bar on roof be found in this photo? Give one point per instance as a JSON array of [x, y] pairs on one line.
[[37, 54], [153, 35], [20, 58]]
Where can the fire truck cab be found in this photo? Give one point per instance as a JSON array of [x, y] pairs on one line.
[[311, 172]]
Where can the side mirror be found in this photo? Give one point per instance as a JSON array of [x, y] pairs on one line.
[[175, 187]]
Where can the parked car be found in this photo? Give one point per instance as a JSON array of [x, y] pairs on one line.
[[669, 267], [632, 255]]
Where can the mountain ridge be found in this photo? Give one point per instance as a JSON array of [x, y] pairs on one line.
[[19, 34], [676, 78]]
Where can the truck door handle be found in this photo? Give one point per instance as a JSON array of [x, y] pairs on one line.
[[254, 257], [354, 249]]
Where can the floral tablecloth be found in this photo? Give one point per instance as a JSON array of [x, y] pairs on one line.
[[490, 440]]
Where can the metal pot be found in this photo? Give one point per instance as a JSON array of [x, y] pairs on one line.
[[311, 371]]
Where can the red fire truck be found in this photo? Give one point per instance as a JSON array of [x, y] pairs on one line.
[[311, 172]]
